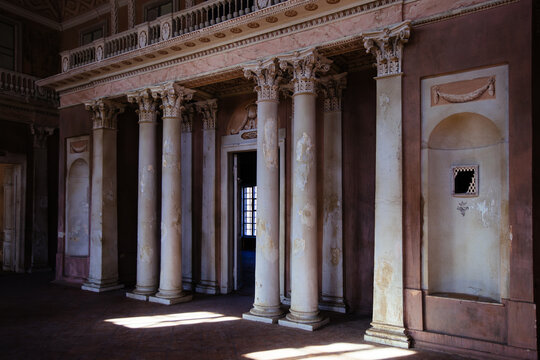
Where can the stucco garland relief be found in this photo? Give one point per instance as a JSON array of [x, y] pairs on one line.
[[77, 147], [269, 143], [438, 92], [305, 156]]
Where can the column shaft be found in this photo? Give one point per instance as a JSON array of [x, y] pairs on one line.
[[186, 210]]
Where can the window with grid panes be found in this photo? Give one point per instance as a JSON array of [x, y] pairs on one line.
[[249, 211]]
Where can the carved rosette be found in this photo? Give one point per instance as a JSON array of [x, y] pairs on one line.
[[331, 88], [208, 111], [172, 98], [304, 66], [104, 113], [267, 75], [187, 118], [40, 134], [147, 105], [387, 47]]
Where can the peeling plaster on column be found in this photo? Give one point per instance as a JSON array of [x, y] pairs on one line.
[[298, 246], [307, 215], [304, 158], [270, 145], [335, 256]]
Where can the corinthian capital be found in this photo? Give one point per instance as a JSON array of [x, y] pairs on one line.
[[267, 75], [387, 47], [41, 133], [104, 113], [331, 87], [172, 98], [304, 66], [187, 118], [147, 105], [208, 111]]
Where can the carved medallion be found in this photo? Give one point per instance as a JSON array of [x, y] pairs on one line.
[[142, 39], [253, 25], [311, 7], [99, 53], [138, 59], [190, 44], [236, 30], [125, 62], [166, 31], [204, 39], [331, 2], [65, 64], [249, 135], [219, 35], [271, 19], [176, 48], [291, 13], [162, 52]]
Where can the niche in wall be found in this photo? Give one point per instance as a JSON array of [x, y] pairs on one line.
[[465, 186], [77, 197]]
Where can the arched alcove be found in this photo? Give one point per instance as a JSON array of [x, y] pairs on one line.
[[77, 206], [467, 207]]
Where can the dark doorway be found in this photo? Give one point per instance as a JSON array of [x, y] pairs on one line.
[[247, 215]]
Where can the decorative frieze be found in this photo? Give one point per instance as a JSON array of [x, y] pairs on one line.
[[147, 105], [304, 66], [267, 75], [172, 97], [387, 47], [104, 113], [331, 88], [208, 111]]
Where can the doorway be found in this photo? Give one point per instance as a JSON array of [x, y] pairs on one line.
[[246, 219]]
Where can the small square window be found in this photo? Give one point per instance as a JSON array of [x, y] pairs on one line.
[[465, 181]]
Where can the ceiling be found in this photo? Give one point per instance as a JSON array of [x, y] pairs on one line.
[[59, 10]]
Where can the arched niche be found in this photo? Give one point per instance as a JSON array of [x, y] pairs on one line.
[[466, 209], [77, 206]]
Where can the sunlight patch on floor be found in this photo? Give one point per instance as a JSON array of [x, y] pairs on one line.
[[157, 321], [338, 351]]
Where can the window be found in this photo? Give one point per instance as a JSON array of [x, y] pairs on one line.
[[465, 180], [90, 35], [249, 211], [158, 9], [7, 46]]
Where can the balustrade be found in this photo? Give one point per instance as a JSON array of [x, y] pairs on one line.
[[25, 85], [168, 26]]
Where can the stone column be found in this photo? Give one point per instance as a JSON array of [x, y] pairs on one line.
[[387, 326], [267, 303], [40, 228], [10, 228], [208, 284], [332, 237], [187, 223], [103, 273], [147, 231], [304, 312], [170, 281], [131, 13]]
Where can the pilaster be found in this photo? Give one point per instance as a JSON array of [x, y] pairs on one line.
[[266, 307], [387, 326], [103, 272], [304, 313], [332, 237], [147, 230], [208, 284], [40, 227]]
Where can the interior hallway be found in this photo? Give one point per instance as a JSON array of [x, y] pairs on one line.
[[41, 320]]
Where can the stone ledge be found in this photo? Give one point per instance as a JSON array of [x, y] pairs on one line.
[[263, 319], [141, 297]]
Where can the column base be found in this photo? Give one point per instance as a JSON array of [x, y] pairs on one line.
[[269, 315], [99, 288], [135, 296], [264, 319], [183, 297], [207, 287], [332, 303], [187, 284], [388, 335], [304, 326]]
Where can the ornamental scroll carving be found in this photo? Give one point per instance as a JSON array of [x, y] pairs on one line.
[[387, 47], [104, 113], [267, 75], [331, 88], [147, 105], [462, 98], [172, 98], [304, 66], [208, 111]]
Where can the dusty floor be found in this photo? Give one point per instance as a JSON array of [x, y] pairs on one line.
[[40, 320]]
